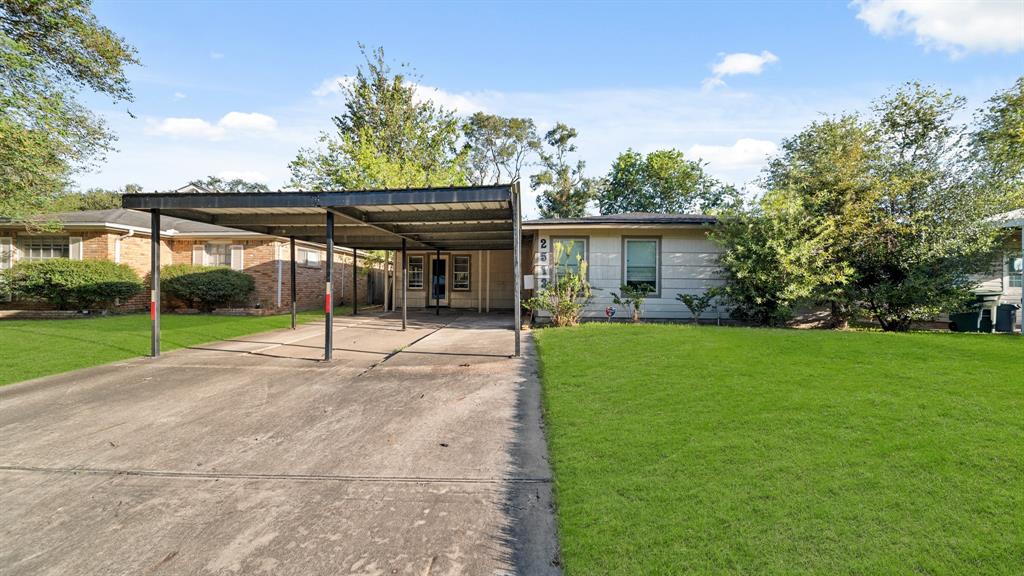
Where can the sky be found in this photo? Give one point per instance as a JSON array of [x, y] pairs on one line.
[[235, 89]]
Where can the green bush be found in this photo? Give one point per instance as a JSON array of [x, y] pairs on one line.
[[72, 284], [206, 287]]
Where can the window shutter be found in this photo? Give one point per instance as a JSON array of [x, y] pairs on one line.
[[6, 253], [199, 254], [75, 248], [237, 257]]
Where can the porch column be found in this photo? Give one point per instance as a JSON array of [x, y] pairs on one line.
[[387, 277], [355, 282], [329, 289], [291, 242], [154, 276], [405, 285], [433, 284], [517, 242]]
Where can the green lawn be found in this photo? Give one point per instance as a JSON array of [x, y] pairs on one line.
[[751, 451], [34, 348]]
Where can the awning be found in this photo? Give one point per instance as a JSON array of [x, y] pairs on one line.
[[456, 218]]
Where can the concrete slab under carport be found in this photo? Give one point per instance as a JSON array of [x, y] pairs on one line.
[[249, 456]]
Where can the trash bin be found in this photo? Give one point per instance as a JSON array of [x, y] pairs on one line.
[[968, 321], [1006, 317]]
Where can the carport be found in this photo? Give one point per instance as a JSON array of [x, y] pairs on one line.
[[432, 219]]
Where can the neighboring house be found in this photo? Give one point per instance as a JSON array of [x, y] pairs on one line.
[[669, 252], [1003, 283], [123, 236]]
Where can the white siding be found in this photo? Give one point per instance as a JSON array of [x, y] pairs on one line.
[[689, 264]]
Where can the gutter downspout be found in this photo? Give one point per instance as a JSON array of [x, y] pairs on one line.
[[277, 257]]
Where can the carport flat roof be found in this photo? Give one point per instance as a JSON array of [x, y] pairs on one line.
[[452, 218]]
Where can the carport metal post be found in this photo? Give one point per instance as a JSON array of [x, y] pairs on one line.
[[154, 278], [405, 284], [329, 288], [291, 242], [436, 284], [517, 242], [355, 283]]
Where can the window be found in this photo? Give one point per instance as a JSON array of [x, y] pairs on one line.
[[44, 247], [218, 255], [460, 273], [308, 258], [641, 263], [568, 253], [416, 272], [1014, 264]]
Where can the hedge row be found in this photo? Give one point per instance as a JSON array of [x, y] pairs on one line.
[[91, 284]]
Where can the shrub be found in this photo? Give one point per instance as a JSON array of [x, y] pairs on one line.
[[699, 303], [565, 298], [206, 287], [632, 299], [72, 284]]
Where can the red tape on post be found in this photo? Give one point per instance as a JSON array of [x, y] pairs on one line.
[[327, 304]]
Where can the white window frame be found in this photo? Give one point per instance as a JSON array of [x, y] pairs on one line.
[[25, 253], [6, 252], [656, 292], [468, 272], [207, 257], [308, 257], [422, 270], [1011, 275]]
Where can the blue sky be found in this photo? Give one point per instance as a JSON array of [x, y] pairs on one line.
[[235, 88]]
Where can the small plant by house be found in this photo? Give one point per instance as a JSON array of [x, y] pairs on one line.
[[568, 294], [632, 298], [72, 284], [698, 303], [206, 287]]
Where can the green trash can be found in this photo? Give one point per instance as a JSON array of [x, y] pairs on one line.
[[968, 321], [1006, 317]]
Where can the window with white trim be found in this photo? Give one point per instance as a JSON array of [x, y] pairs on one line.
[[307, 258], [642, 262], [460, 272], [1014, 264], [44, 247], [568, 254], [416, 272], [218, 254]]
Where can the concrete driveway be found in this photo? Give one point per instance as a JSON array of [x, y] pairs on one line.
[[251, 457]]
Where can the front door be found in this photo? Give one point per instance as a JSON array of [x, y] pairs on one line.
[[438, 281]]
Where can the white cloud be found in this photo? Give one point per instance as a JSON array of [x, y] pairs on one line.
[[738, 63], [248, 175], [333, 85], [180, 96], [216, 55], [744, 153], [202, 129], [248, 121], [954, 27]]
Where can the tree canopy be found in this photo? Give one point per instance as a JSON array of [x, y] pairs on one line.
[[564, 190], [498, 147], [215, 184], [49, 52], [387, 137], [662, 181]]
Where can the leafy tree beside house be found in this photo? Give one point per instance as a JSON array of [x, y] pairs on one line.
[[49, 51], [234, 185], [385, 138], [663, 181], [564, 190], [498, 147]]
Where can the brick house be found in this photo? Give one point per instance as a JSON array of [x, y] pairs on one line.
[[123, 236]]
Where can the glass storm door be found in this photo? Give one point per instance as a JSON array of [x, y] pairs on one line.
[[438, 281]]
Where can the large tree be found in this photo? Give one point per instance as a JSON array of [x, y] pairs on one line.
[[385, 138], [564, 190], [215, 184], [662, 181], [998, 143], [499, 147], [49, 52], [824, 174]]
